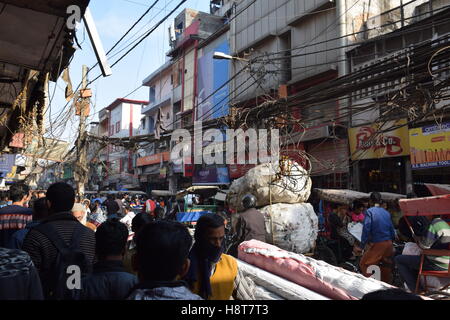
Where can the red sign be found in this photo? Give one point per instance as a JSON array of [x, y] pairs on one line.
[[17, 140], [153, 159], [188, 170]]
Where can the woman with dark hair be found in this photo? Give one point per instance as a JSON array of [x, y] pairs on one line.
[[358, 211]]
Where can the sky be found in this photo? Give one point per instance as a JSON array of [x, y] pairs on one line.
[[113, 18]]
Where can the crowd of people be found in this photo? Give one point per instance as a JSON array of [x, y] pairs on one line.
[[145, 257], [381, 228], [56, 246]]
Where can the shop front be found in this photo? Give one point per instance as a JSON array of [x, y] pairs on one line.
[[327, 155], [329, 163], [430, 156], [153, 171], [380, 157]]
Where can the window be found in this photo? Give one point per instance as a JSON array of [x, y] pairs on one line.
[[152, 94], [111, 130], [168, 116], [143, 123], [117, 126], [179, 30], [151, 124]]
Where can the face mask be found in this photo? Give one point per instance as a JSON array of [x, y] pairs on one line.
[[212, 252]]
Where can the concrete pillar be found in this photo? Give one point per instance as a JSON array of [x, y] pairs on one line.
[[356, 176], [408, 176]]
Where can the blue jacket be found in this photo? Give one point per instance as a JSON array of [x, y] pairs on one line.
[[109, 281], [377, 226], [17, 238]]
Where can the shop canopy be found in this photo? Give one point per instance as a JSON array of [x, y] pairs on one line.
[[438, 189], [342, 196], [388, 196], [162, 193], [203, 190], [429, 206]]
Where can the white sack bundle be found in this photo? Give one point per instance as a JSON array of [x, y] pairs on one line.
[[269, 186], [292, 227]]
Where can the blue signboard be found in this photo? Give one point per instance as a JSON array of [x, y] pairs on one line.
[[210, 175], [212, 75], [7, 161]]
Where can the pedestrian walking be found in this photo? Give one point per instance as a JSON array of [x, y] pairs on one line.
[[109, 280], [59, 242], [16, 216], [212, 274], [377, 239], [162, 250]]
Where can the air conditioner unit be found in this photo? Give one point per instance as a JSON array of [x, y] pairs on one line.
[[172, 36]]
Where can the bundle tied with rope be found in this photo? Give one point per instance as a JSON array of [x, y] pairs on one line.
[[281, 190]]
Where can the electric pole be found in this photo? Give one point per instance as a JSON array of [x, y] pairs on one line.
[[81, 169]]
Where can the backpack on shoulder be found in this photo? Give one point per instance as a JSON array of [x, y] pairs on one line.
[[63, 281]]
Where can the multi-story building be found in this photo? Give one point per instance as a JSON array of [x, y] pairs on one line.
[[121, 119], [152, 165], [417, 153], [292, 47], [175, 91]]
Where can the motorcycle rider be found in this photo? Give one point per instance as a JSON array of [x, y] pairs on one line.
[[249, 224]]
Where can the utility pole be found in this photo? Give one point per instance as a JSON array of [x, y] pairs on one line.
[[81, 169]]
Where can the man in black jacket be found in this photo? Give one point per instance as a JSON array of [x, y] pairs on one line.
[[109, 280], [42, 250]]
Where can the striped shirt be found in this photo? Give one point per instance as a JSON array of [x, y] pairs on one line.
[[43, 252], [438, 237], [12, 219]]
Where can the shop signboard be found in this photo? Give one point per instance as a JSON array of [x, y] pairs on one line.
[[155, 158], [210, 175], [213, 89], [430, 146], [17, 140], [163, 173], [379, 140], [7, 161]]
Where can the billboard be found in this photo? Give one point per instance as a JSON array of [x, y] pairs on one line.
[[430, 146], [212, 74], [375, 141], [210, 175], [50, 149]]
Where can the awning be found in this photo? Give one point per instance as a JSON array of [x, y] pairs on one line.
[[162, 193], [152, 169], [439, 205], [343, 196], [388, 196], [438, 189], [197, 189]]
